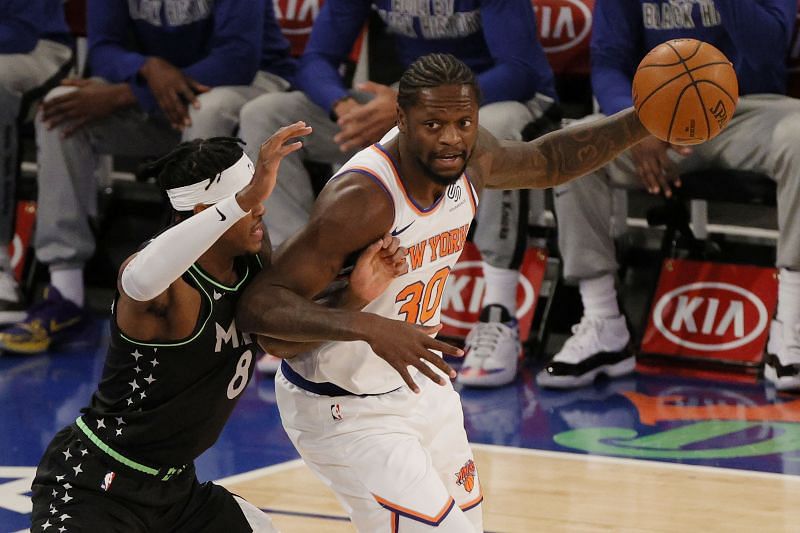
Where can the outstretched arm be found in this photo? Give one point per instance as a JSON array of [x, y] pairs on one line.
[[559, 156], [279, 303], [375, 269]]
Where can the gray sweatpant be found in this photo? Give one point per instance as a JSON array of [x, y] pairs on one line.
[[502, 215], [763, 136], [19, 75], [70, 169]]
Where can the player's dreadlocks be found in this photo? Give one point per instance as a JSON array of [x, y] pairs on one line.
[[433, 70], [193, 161]]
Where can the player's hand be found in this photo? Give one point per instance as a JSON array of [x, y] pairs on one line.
[[272, 151], [174, 91], [402, 345], [376, 267], [363, 124], [654, 167], [92, 100]]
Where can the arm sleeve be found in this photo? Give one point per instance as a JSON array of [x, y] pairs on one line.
[[615, 52], [520, 66], [335, 30], [18, 23], [762, 27], [170, 254]]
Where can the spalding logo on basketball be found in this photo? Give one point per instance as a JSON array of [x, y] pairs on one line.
[[710, 316]]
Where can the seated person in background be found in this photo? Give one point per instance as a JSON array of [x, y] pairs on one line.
[[35, 51], [762, 136], [191, 70], [498, 41]]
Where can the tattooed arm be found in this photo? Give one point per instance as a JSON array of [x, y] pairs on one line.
[[557, 157]]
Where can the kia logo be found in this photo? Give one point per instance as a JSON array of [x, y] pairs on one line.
[[457, 284], [714, 310], [557, 21]]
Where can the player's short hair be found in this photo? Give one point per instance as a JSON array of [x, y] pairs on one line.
[[193, 162], [434, 70]]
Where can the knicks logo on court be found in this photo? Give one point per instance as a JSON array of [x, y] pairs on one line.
[[466, 476]]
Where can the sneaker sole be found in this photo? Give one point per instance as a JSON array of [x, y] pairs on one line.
[[787, 383], [624, 367], [498, 379]]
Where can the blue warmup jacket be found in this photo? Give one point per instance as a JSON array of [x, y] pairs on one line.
[[24, 22], [215, 43], [496, 38], [754, 34]]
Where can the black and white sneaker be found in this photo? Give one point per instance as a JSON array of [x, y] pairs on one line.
[[782, 360], [12, 306], [597, 346]]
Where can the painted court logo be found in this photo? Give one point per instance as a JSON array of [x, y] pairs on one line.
[[465, 477]]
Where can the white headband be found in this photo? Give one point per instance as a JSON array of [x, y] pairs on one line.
[[227, 183]]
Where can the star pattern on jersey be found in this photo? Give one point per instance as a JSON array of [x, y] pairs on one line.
[[67, 497], [120, 421], [101, 423], [64, 516], [142, 396], [67, 454], [84, 451], [118, 432], [137, 369], [136, 355], [62, 529], [150, 379], [46, 525], [59, 478], [77, 469], [130, 401], [53, 509], [154, 362], [134, 385]]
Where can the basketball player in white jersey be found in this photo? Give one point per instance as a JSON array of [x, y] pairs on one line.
[[397, 456]]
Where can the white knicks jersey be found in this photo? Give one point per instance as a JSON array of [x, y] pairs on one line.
[[434, 238]]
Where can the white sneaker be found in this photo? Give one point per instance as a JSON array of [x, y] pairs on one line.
[[268, 364], [12, 308], [597, 346], [492, 350], [782, 361]]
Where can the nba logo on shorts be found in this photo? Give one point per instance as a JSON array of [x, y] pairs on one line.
[[336, 411], [107, 480]]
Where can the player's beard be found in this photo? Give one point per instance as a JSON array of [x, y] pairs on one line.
[[442, 179]]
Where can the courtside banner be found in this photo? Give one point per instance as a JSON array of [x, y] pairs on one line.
[[23, 230], [463, 295], [711, 311]]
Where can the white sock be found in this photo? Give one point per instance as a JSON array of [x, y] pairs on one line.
[[789, 297], [599, 297], [501, 287], [69, 282]]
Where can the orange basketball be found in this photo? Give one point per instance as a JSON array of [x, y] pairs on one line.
[[685, 91]]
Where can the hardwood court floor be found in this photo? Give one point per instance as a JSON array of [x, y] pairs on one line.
[[532, 490]]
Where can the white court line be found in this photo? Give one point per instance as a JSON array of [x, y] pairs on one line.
[[586, 458], [570, 456]]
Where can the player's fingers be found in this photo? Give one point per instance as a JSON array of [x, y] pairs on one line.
[[74, 126], [430, 374], [435, 344], [372, 250], [439, 363], [402, 369], [400, 268], [287, 149], [390, 246]]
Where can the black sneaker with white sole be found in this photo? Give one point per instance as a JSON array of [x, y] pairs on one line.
[[598, 346]]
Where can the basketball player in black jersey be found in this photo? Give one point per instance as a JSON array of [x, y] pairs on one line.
[[177, 363]]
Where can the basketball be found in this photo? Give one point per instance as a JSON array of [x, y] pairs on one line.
[[685, 91]]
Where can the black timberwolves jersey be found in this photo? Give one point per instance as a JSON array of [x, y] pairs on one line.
[[165, 403]]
